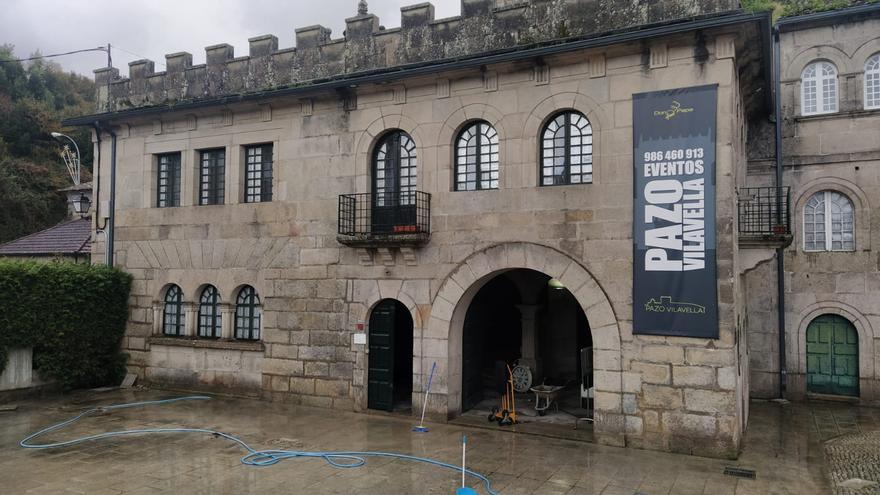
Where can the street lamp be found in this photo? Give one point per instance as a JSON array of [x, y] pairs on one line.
[[81, 205], [70, 159]]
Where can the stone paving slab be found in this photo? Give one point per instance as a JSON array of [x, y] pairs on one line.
[[784, 445]]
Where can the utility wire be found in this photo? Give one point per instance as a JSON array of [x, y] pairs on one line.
[[99, 49], [135, 54]]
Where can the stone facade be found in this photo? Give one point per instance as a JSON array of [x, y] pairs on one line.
[[838, 151], [676, 394]]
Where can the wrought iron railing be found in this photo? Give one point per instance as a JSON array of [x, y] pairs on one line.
[[764, 212], [385, 218]]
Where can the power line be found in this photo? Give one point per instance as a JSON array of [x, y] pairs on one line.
[[98, 49], [135, 54]]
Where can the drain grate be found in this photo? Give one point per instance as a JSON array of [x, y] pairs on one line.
[[741, 472]]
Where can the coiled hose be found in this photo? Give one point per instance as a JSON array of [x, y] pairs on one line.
[[254, 457]]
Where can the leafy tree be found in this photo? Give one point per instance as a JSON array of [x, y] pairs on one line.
[[34, 98]]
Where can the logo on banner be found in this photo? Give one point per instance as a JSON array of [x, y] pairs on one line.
[[674, 109]]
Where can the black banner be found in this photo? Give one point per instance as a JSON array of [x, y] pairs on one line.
[[674, 273]]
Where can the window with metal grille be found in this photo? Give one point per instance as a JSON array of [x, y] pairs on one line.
[[212, 173], [168, 180], [829, 223], [819, 88], [567, 150], [872, 82], [258, 173], [210, 319], [172, 314], [247, 314], [476, 158]]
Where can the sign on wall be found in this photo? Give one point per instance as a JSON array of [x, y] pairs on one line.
[[674, 273]]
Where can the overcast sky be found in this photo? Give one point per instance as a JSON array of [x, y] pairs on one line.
[[152, 28]]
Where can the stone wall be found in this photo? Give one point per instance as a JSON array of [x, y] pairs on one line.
[[666, 393], [365, 46], [838, 152]]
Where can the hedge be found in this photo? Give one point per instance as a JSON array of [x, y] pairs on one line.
[[72, 315]]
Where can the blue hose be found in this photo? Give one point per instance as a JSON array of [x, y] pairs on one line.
[[254, 457]]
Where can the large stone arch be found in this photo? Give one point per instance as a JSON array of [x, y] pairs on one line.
[[443, 334]]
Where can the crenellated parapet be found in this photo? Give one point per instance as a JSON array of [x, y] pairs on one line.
[[483, 26]]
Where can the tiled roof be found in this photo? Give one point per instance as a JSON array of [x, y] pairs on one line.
[[69, 237]]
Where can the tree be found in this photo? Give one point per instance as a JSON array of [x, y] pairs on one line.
[[34, 99]]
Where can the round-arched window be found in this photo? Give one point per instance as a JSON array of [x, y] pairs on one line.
[[476, 157], [172, 313], [819, 88], [567, 150], [210, 319], [248, 314], [829, 223]]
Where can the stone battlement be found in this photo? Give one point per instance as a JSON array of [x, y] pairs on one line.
[[483, 26]]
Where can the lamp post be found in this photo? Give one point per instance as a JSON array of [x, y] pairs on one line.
[[81, 205], [71, 160]]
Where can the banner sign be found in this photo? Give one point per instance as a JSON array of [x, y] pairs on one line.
[[674, 273]]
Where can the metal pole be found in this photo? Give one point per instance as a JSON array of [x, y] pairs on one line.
[[780, 252], [111, 226]]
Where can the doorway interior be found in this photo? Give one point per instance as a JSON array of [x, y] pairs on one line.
[[390, 359], [524, 318]]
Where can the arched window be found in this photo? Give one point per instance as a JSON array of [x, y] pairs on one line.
[[567, 150], [476, 157], [819, 88], [394, 170], [172, 314], [247, 314], [209, 313], [829, 223], [872, 82]]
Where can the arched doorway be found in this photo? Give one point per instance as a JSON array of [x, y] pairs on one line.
[[523, 317], [832, 356], [390, 359]]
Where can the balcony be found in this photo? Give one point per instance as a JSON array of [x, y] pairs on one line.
[[764, 217], [384, 219]]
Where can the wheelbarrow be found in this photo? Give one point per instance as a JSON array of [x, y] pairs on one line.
[[545, 395]]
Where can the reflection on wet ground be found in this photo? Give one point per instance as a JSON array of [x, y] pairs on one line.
[[784, 445]]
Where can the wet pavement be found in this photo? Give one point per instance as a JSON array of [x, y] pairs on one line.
[[784, 445]]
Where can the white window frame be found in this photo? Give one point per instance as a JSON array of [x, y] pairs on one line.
[[822, 83], [872, 81], [829, 233]]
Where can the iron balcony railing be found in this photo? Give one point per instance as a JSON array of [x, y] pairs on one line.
[[764, 213], [393, 218]]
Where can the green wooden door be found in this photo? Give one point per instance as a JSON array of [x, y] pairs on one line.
[[832, 356], [380, 373]]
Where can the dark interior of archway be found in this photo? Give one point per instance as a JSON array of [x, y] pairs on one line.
[[493, 336], [403, 357]]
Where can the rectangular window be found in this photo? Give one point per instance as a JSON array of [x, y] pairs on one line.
[[168, 190], [212, 173], [258, 173]]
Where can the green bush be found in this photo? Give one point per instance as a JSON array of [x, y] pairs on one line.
[[73, 315]]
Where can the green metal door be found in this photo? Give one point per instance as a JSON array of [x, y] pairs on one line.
[[380, 372], [832, 356]]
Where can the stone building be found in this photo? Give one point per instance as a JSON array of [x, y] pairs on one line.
[[830, 81], [328, 223]]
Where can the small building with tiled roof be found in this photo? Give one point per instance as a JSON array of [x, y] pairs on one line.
[[69, 240]]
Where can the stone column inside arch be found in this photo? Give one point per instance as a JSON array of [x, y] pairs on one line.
[[190, 317], [529, 350], [227, 313]]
